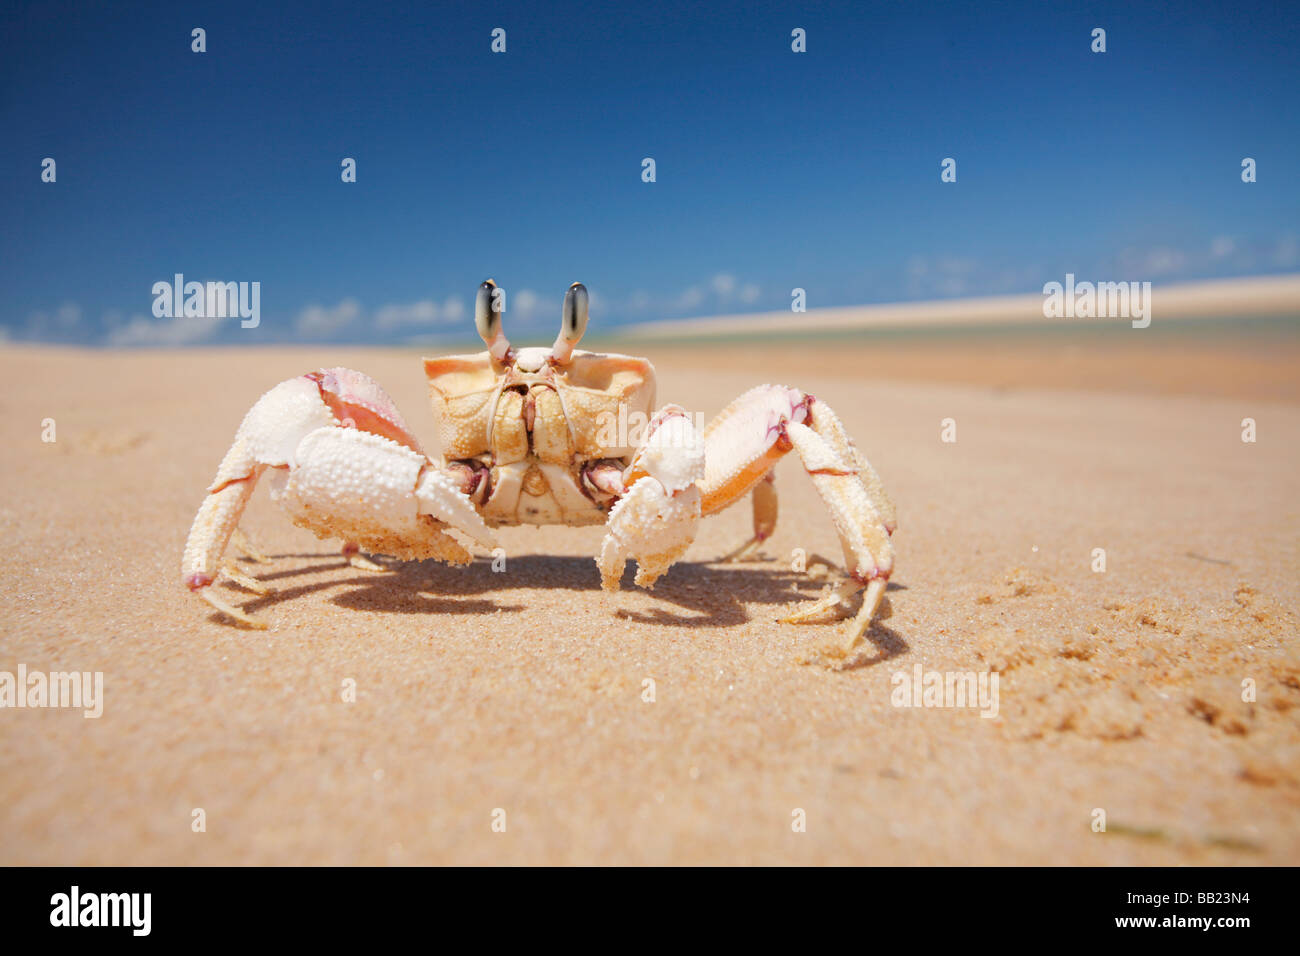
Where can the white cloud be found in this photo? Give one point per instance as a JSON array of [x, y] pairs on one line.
[[942, 275], [68, 316], [1165, 261], [1222, 246], [391, 317], [1287, 252], [722, 290], [524, 305], [166, 333], [692, 298], [1148, 263], [318, 322], [63, 320], [453, 310]]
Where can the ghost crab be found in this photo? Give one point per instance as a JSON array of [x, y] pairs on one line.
[[525, 441]]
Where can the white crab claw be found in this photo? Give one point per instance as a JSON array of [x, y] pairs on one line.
[[652, 525], [655, 521], [673, 453], [440, 498]]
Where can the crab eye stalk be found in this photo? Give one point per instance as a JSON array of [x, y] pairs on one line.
[[488, 307], [573, 322]]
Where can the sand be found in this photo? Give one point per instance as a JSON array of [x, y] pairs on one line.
[[523, 691]]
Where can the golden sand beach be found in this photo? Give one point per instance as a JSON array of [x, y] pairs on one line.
[[524, 691]]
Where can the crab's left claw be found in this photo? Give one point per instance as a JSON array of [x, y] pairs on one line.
[[655, 521]]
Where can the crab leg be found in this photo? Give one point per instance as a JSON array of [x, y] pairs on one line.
[[764, 501], [217, 518], [827, 424], [761, 426], [351, 552], [250, 550], [864, 537], [267, 437]]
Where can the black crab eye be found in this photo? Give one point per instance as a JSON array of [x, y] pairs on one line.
[[487, 311], [573, 318]]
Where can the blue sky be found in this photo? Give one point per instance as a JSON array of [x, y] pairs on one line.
[[774, 169]]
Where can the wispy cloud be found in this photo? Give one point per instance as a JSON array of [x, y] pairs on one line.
[[1223, 255], [1286, 254], [142, 332], [691, 298], [56, 324], [1222, 246], [721, 292], [453, 310], [942, 275], [524, 305], [319, 322], [422, 313], [938, 275], [1154, 263]]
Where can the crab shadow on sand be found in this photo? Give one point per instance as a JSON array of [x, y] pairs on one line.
[[692, 594]]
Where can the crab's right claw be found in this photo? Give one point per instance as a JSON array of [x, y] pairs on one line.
[[344, 465]]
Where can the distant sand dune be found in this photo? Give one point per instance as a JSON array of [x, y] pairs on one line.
[[1255, 296]]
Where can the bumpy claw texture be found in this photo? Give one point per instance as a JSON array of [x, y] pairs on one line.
[[652, 525], [440, 497], [366, 488], [655, 521], [343, 464]]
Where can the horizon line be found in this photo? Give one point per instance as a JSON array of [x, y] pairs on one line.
[[1253, 296]]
